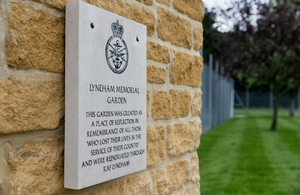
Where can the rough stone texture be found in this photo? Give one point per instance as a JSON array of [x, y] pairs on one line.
[[161, 106], [180, 103], [37, 168], [198, 39], [155, 144], [147, 2], [197, 103], [174, 29], [186, 70], [26, 106], [170, 178], [156, 75], [195, 175], [36, 39], [59, 4], [128, 10], [195, 190], [173, 104], [158, 53], [183, 137], [191, 8], [166, 2], [130, 186], [148, 100]]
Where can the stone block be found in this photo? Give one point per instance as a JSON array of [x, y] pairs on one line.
[[61, 4], [158, 52], [198, 38], [173, 104], [195, 175], [170, 178], [195, 190], [128, 10], [37, 168], [183, 137], [147, 2], [180, 101], [155, 144], [26, 106], [166, 2], [58, 4], [191, 8], [186, 70], [197, 103], [36, 39], [174, 29], [156, 75], [161, 106], [148, 100], [129, 186]]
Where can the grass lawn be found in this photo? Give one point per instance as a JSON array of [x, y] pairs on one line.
[[242, 156]]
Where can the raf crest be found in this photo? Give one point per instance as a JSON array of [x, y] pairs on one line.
[[116, 50]]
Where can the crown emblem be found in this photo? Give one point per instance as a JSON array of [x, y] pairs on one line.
[[117, 29]]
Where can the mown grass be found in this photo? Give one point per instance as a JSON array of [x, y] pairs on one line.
[[242, 156]]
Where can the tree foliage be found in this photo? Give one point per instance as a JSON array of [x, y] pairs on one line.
[[263, 46], [211, 35]]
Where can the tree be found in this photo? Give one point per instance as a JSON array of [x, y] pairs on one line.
[[212, 37], [263, 45]]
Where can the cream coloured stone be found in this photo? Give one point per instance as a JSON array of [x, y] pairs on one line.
[[198, 38], [156, 75], [170, 178], [197, 103], [37, 168], [173, 104], [180, 101], [158, 52], [36, 39], [128, 10], [183, 137], [166, 2], [148, 100], [130, 186], [27, 106], [186, 70], [174, 29], [147, 2], [59, 4], [161, 106], [155, 144], [192, 8], [195, 175], [195, 190]]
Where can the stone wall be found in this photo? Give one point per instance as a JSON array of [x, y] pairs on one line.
[[32, 97]]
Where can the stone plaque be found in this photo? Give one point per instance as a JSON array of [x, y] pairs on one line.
[[105, 121]]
